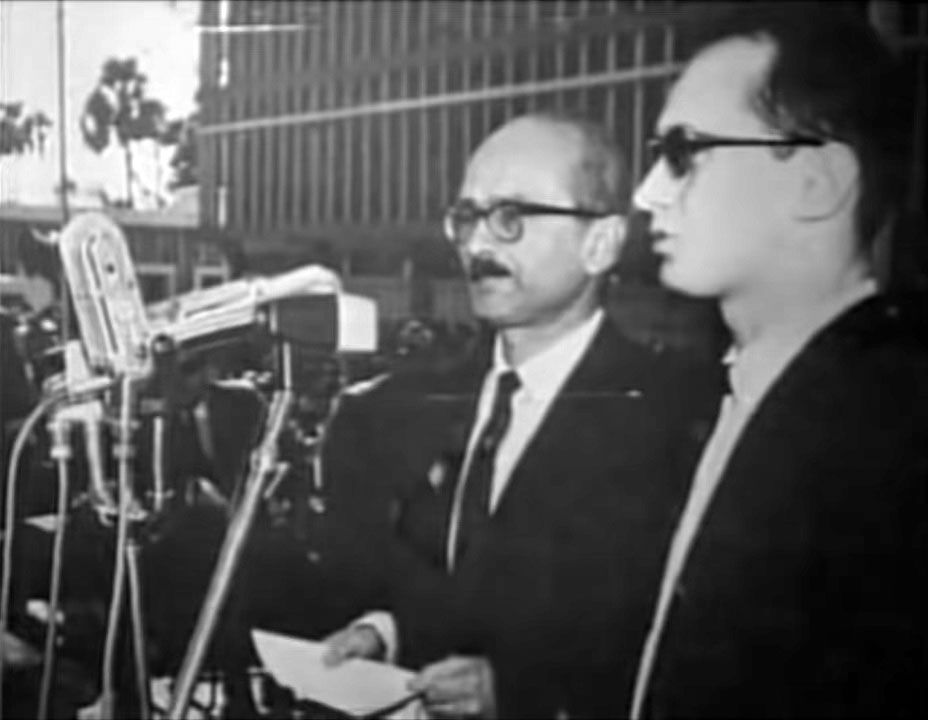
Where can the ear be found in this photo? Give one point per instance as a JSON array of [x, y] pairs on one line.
[[602, 244], [830, 177]]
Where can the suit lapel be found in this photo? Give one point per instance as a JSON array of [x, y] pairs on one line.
[[791, 397], [797, 384], [607, 370], [599, 398], [435, 430]]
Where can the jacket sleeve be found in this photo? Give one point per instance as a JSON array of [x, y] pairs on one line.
[[351, 533]]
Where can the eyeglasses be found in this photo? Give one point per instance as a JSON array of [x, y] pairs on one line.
[[504, 218], [678, 146]]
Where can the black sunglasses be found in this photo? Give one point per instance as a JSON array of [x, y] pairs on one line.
[[504, 218], [678, 146]]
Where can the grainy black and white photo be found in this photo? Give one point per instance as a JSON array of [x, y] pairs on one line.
[[426, 359]]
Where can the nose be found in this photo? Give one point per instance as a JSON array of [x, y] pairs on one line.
[[480, 240], [657, 190]]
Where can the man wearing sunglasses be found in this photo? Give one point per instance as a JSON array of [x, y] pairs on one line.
[[543, 473], [795, 585]]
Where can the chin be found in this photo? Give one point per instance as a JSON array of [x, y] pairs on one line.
[[489, 306], [497, 319], [497, 314], [673, 277]]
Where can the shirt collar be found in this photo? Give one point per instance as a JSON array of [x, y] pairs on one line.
[[542, 375], [753, 368]]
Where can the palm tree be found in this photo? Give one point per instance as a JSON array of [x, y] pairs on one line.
[[118, 104], [183, 134], [20, 133]]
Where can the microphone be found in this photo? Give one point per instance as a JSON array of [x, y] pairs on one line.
[[83, 405], [117, 330], [202, 313], [107, 300], [88, 414], [327, 316]]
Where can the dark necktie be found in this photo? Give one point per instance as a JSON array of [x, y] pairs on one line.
[[475, 504]]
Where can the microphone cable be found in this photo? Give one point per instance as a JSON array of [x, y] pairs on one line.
[[9, 515], [61, 453], [119, 568]]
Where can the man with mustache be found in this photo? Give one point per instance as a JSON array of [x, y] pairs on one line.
[[797, 580], [539, 481]]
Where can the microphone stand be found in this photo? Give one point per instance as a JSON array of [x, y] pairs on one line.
[[265, 466], [130, 517], [61, 453], [133, 550]]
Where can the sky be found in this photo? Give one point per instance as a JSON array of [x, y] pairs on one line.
[[161, 34]]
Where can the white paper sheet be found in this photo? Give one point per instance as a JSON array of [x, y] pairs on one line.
[[356, 686]]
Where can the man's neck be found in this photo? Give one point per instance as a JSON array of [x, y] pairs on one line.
[[520, 343], [753, 315]]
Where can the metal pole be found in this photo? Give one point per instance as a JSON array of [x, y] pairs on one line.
[[62, 118], [483, 93], [138, 626], [63, 165], [60, 452], [264, 464], [124, 452]]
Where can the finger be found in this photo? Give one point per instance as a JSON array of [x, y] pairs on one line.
[[450, 667], [439, 677], [341, 646], [427, 677], [452, 688], [335, 649]]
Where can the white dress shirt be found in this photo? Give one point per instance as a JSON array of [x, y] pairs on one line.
[[751, 371], [542, 376]]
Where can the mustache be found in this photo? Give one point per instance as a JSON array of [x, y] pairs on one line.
[[482, 267]]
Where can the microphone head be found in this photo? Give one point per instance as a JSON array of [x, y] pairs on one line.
[[107, 300], [305, 280], [306, 305]]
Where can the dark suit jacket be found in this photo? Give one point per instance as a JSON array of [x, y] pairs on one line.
[[805, 590], [559, 590]]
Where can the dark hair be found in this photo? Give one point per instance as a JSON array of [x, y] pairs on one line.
[[833, 77]]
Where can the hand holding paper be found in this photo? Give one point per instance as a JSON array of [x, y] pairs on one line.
[[354, 641], [458, 687], [357, 687]]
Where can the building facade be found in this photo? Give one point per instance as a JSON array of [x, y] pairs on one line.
[[170, 253], [338, 131], [352, 121]]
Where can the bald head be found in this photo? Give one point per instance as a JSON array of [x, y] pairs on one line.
[[589, 162]]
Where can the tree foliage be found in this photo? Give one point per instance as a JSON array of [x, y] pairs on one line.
[[119, 107], [119, 104], [184, 160], [22, 132]]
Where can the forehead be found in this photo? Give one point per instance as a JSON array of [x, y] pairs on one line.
[[713, 94], [528, 160]]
